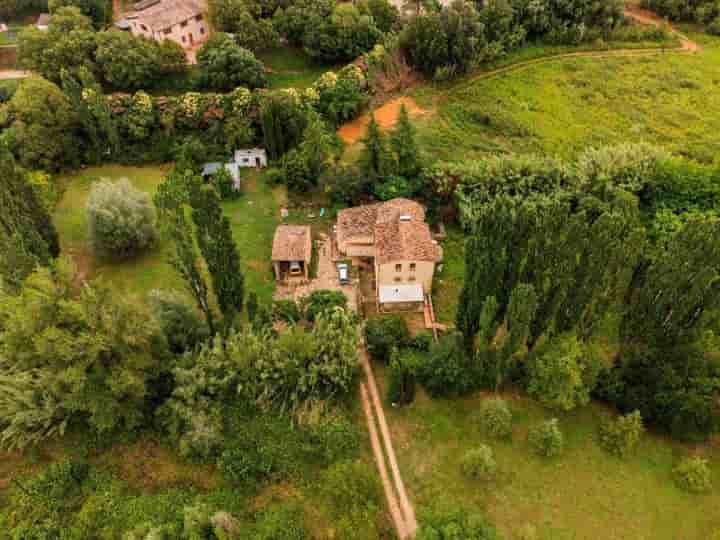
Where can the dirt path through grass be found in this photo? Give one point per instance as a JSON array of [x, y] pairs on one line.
[[404, 516]]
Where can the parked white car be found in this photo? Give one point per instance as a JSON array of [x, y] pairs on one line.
[[343, 273]]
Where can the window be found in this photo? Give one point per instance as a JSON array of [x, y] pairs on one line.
[[411, 278], [246, 160], [412, 267], [398, 267], [167, 31], [398, 279], [183, 24], [143, 27], [198, 17], [183, 39], [202, 30]]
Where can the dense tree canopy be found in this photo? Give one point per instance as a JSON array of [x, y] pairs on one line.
[[86, 361], [225, 65]]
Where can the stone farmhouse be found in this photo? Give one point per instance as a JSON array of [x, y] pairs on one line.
[[182, 21], [400, 245]]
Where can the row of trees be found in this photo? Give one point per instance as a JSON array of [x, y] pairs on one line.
[[553, 249], [701, 11], [118, 60], [52, 127], [450, 41]]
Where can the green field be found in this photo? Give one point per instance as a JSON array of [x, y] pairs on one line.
[[291, 68], [562, 106], [253, 217], [586, 494]]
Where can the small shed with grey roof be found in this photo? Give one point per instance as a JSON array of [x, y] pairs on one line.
[[401, 297], [292, 249], [210, 169]]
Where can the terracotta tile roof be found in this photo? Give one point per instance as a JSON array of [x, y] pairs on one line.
[[359, 221], [167, 13], [405, 240], [292, 243]]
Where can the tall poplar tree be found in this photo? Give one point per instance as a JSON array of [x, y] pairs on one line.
[[214, 237]]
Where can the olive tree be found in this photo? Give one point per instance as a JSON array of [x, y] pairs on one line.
[[121, 219]]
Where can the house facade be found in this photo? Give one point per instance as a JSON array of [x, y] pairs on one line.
[[181, 21], [292, 251], [403, 251]]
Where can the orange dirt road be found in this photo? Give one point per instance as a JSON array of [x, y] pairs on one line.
[[386, 117]]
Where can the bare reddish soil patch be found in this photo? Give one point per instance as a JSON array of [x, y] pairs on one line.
[[386, 116]]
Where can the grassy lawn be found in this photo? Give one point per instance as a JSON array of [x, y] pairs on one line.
[[292, 68], [253, 217], [447, 284], [563, 106], [586, 494]]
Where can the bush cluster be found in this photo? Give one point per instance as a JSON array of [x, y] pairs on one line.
[[479, 463], [693, 474], [546, 439], [495, 418], [621, 435]]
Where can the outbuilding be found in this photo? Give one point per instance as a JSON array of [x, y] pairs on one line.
[[292, 251], [210, 169], [43, 21], [251, 157]]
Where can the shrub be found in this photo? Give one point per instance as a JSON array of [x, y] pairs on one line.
[[479, 463], [547, 439], [714, 27], [401, 376], [693, 474], [495, 418], [383, 333], [121, 219], [621, 436], [281, 522], [179, 321], [422, 341], [322, 301], [444, 371], [286, 311], [455, 524], [335, 439]]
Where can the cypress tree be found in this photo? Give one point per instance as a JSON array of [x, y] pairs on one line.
[[26, 228], [403, 143], [375, 159]]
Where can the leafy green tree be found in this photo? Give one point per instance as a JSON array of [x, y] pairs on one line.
[[385, 14], [343, 36], [179, 321], [68, 44], [674, 289], [216, 243], [620, 436], [86, 361], [225, 65], [560, 376], [401, 376], [27, 234], [250, 32], [98, 130], [99, 11], [404, 145], [121, 219], [445, 371], [294, 20], [42, 132], [546, 438], [283, 123], [479, 463], [693, 475], [452, 40], [126, 61], [495, 418], [322, 301], [383, 333]]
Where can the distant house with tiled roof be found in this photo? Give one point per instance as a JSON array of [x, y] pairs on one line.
[[292, 251], [394, 234], [181, 21]]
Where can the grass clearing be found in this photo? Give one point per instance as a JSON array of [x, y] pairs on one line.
[[448, 283], [292, 68], [563, 106], [585, 494], [253, 218]]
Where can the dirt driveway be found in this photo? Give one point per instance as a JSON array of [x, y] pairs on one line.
[[326, 278]]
